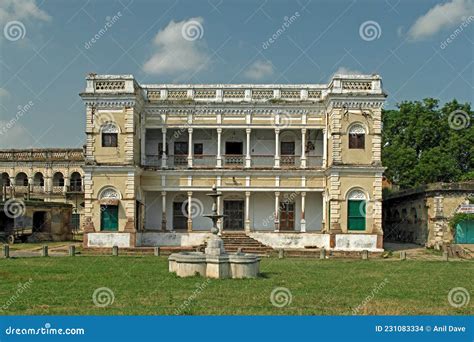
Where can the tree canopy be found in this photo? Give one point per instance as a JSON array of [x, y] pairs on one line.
[[423, 143]]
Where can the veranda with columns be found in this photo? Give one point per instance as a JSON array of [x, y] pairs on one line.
[[247, 211], [235, 148]]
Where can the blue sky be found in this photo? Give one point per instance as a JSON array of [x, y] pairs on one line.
[[46, 51]]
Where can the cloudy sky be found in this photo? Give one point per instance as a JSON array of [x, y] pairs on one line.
[[421, 48]]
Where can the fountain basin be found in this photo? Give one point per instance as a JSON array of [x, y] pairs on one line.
[[226, 265]]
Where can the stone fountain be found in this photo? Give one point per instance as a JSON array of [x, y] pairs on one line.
[[214, 262]]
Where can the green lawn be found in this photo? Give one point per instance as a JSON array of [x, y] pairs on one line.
[[142, 285]]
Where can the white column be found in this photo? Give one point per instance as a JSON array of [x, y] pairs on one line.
[[277, 147], [190, 147], [247, 211], [325, 147], [163, 210], [303, 148], [303, 219], [189, 211], [66, 184], [277, 212], [248, 161], [325, 213], [219, 157], [164, 157]]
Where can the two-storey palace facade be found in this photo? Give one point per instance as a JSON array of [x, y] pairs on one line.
[[298, 165]]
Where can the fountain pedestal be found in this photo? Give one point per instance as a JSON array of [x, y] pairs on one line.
[[214, 262]]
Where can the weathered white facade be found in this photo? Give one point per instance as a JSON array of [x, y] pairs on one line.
[[295, 163]]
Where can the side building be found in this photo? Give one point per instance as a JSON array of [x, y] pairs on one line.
[[421, 215], [48, 175], [298, 165]]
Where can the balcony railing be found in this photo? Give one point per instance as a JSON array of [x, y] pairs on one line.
[[234, 161]]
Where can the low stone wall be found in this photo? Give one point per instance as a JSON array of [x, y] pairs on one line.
[[292, 240], [152, 239], [343, 242], [357, 242], [108, 239]]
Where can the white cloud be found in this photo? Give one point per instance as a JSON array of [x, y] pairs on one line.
[[346, 71], [440, 17], [178, 50], [21, 9], [14, 135], [259, 70]]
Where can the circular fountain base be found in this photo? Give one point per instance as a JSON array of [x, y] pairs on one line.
[[214, 263]]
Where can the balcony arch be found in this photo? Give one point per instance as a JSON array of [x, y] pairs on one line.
[[21, 179]]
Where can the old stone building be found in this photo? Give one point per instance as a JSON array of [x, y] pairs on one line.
[[298, 165], [49, 175], [422, 215]]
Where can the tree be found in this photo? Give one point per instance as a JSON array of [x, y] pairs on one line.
[[423, 143]]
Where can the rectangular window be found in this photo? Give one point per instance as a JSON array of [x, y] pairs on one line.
[[287, 216], [356, 215], [357, 141], [198, 149], [180, 148], [180, 221], [75, 221], [109, 139]]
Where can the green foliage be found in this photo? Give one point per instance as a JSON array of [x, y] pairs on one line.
[[458, 218], [420, 146]]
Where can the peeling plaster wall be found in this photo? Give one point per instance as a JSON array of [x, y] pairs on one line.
[[149, 239]]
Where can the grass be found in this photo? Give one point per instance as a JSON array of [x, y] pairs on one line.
[[142, 285]]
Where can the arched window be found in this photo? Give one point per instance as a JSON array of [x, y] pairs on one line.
[[5, 179], [58, 179], [21, 179], [76, 182], [356, 210], [109, 132], [38, 179], [357, 137]]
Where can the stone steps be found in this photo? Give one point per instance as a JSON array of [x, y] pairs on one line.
[[240, 241]]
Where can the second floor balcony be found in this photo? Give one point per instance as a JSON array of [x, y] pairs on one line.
[[234, 148]]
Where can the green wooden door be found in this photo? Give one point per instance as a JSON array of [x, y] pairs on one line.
[[109, 217], [356, 215], [465, 232]]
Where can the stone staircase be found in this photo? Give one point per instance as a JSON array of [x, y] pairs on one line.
[[235, 240]]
